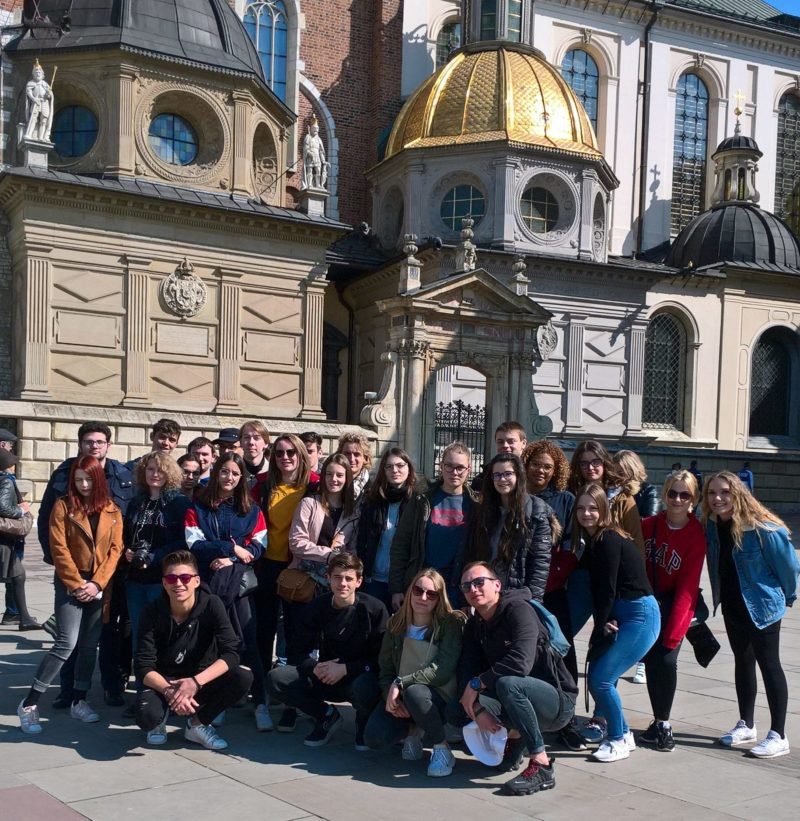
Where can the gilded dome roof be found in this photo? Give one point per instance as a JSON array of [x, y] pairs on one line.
[[494, 91]]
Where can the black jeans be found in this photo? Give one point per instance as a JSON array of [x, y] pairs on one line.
[[661, 665], [426, 706], [267, 606], [557, 602], [309, 695], [750, 646], [213, 698], [529, 705]]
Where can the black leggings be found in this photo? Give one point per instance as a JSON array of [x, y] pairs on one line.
[[557, 603], [751, 645], [661, 665]]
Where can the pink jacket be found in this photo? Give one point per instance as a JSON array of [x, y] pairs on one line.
[[306, 527]]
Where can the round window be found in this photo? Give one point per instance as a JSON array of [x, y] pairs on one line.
[[462, 201], [74, 130], [539, 210], [173, 139]]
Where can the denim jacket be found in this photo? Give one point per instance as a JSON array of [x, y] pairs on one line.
[[767, 567]]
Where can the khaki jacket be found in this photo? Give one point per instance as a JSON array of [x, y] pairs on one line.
[[76, 555]]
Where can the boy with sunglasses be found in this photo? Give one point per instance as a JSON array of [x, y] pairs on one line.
[[506, 674], [187, 657]]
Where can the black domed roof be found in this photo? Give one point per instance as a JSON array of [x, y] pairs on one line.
[[739, 142], [735, 232], [207, 32]]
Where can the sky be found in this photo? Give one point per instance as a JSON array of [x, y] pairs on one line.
[[789, 6]]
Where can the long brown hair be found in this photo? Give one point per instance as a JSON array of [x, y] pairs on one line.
[[348, 497], [598, 496], [98, 498], [748, 512], [274, 475], [377, 489], [611, 476], [400, 621], [210, 495]]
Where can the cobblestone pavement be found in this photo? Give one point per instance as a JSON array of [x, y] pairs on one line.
[[104, 771]]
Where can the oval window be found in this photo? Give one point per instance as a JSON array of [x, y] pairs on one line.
[[539, 210], [462, 201], [173, 139]]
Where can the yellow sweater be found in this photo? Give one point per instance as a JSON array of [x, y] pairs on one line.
[[282, 505]]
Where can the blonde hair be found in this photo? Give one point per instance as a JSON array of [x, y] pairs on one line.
[[606, 522], [258, 426], [399, 622], [688, 478], [166, 464], [275, 477], [354, 437], [455, 447], [748, 512], [632, 470]]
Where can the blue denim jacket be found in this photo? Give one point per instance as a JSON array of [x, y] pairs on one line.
[[767, 567]]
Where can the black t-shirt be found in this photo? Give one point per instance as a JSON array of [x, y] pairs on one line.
[[730, 589], [328, 529]]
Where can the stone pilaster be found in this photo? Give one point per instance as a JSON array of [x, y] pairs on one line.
[[242, 104], [36, 322], [636, 352], [505, 206], [414, 352], [230, 336], [313, 306], [122, 158], [137, 348], [575, 334]]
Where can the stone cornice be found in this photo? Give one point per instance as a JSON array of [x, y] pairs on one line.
[[57, 194]]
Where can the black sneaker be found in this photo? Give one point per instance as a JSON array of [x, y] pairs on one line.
[[10, 618], [324, 728], [62, 701], [650, 735], [533, 778], [665, 742], [113, 698], [571, 738], [513, 755], [360, 745], [287, 721]]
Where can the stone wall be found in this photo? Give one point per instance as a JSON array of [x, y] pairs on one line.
[[6, 303]]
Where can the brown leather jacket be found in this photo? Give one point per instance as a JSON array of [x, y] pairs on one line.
[[77, 556]]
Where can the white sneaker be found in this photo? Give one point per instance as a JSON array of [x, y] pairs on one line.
[[442, 761], [771, 747], [640, 676], [205, 735], [740, 734], [29, 719], [630, 741], [412, 748], [610, 751], [263, 719], [82, 711], [158, 735]]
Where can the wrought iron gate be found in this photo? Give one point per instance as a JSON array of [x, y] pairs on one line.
[[456, 421]]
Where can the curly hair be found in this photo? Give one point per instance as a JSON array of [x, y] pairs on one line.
[[355, 437], [168, 466], [561, 472]]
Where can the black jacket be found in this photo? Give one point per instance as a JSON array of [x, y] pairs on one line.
[[120, 486], [358, 646], [370, 528], [648, 500], [511, 643], [182, 650]]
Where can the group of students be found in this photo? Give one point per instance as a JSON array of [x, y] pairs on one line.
[[411, 603]]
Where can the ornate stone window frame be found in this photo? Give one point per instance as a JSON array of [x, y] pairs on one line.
[[565, 194]]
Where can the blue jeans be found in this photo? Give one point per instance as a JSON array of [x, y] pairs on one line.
[[639, 622], [139, 596], [79, 626]]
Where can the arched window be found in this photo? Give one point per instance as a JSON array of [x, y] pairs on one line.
[[787, 161], [266, 23], [74, 131], [664, 373], [770, 385], [580, 71], [689, 152], [448, 40]]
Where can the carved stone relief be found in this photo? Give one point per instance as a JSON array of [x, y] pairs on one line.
[[183, 292]]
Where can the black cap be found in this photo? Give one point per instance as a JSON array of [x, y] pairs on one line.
[[7, 436], [228, 436], [7, 459]]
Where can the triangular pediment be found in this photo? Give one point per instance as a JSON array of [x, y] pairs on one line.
[[473, 293]]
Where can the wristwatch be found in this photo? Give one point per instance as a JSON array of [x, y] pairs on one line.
[[398, 682], [476, 684]]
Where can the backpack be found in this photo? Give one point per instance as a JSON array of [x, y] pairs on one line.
[[556, 641]]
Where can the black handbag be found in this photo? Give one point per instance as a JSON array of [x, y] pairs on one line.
[[704, 643], [249, 582]]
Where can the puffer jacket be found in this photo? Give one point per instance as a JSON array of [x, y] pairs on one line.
[[648, 500]]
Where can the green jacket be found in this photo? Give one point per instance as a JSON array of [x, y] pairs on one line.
[[442, 667]]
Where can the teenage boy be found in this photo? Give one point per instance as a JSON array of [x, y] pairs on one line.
[[187, 658], [347, 628], [190, 474], [164, 437], [202, 449], [313, 442], [507, 674], [228, 440], [510, 437], [255, 446]]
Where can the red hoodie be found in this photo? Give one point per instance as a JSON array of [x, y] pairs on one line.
[[677, 558]]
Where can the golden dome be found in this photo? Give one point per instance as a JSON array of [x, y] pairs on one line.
[[494, 91]]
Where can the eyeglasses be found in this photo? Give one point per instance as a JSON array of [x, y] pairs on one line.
[[189, 474], [594, 463], [478, 583], [450, 468], [174, 578], [504, 476], [231, 474], [290, 452], [682, 495], [542, 466], [94, 443], [395, 466], [422, 593]]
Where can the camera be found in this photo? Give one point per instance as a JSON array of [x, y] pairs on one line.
[[142, 555]]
